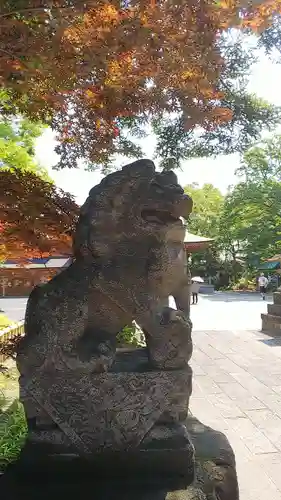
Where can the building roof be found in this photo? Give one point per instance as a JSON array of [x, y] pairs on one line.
[[269, 266], [194, 238], [275, 258], [48, 262]]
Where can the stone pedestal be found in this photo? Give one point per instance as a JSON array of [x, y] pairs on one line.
[[131, 418], [213, 476], [271, 322], [117, 409]]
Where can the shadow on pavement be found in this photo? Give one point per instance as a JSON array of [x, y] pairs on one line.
[[272, 341]]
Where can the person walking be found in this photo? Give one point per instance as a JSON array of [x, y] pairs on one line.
[[194, 290], [263, 282]]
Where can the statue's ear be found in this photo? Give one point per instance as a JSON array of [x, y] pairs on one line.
[[168, 177], [140, 169]]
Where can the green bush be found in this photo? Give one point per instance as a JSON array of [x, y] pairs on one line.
[[130, 335], [245, 283], [13, 431], [4, 321]]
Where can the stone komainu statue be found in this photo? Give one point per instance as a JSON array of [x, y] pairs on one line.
[[128, 255], [84, 397]]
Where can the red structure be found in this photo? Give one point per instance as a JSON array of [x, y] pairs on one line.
[[17, 280], [194, 243]]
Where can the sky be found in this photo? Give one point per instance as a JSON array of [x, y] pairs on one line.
[[264, 81]]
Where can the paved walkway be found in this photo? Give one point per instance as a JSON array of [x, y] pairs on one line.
[[14, 308], [237, 389], [229, 311]]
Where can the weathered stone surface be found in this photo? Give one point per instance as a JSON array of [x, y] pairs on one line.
[[277, 297], [271, 322], [109, 410], [170, 346], [274, 309], [215, 467]]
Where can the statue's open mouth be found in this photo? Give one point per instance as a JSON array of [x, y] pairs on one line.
[[162, 217], [171, 214]]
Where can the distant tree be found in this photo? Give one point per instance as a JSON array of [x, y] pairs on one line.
[[262, 162], [17, 145], [207, 205], [204, 221], [250, 222]]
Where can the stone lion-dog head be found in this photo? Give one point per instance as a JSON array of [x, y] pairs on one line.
[[136, 204]]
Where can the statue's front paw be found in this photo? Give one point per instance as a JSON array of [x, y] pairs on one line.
[[169, 341], [169, 315]]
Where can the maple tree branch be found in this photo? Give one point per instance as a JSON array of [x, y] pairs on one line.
[[12, 12], [13, 56], [35, 9], [10, 54]]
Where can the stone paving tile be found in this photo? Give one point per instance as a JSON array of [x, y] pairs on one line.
[[230, 367], [225, 347], [252, 437], [242, 453], [277, 389], [220, 377], [201, 358], [242, 396], [237, 390], [269, 423], [255, 483], [266, 377], [201, 407], [207, 385], [253, 385], [273, 402], [211, 352], [226, 406], [270, 464], [242, 360]]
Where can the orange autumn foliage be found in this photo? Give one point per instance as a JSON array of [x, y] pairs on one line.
[[84, 66], [36, 218], [261, 14]]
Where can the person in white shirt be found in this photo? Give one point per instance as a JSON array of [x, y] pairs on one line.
[[194, 290], [263, 282]]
